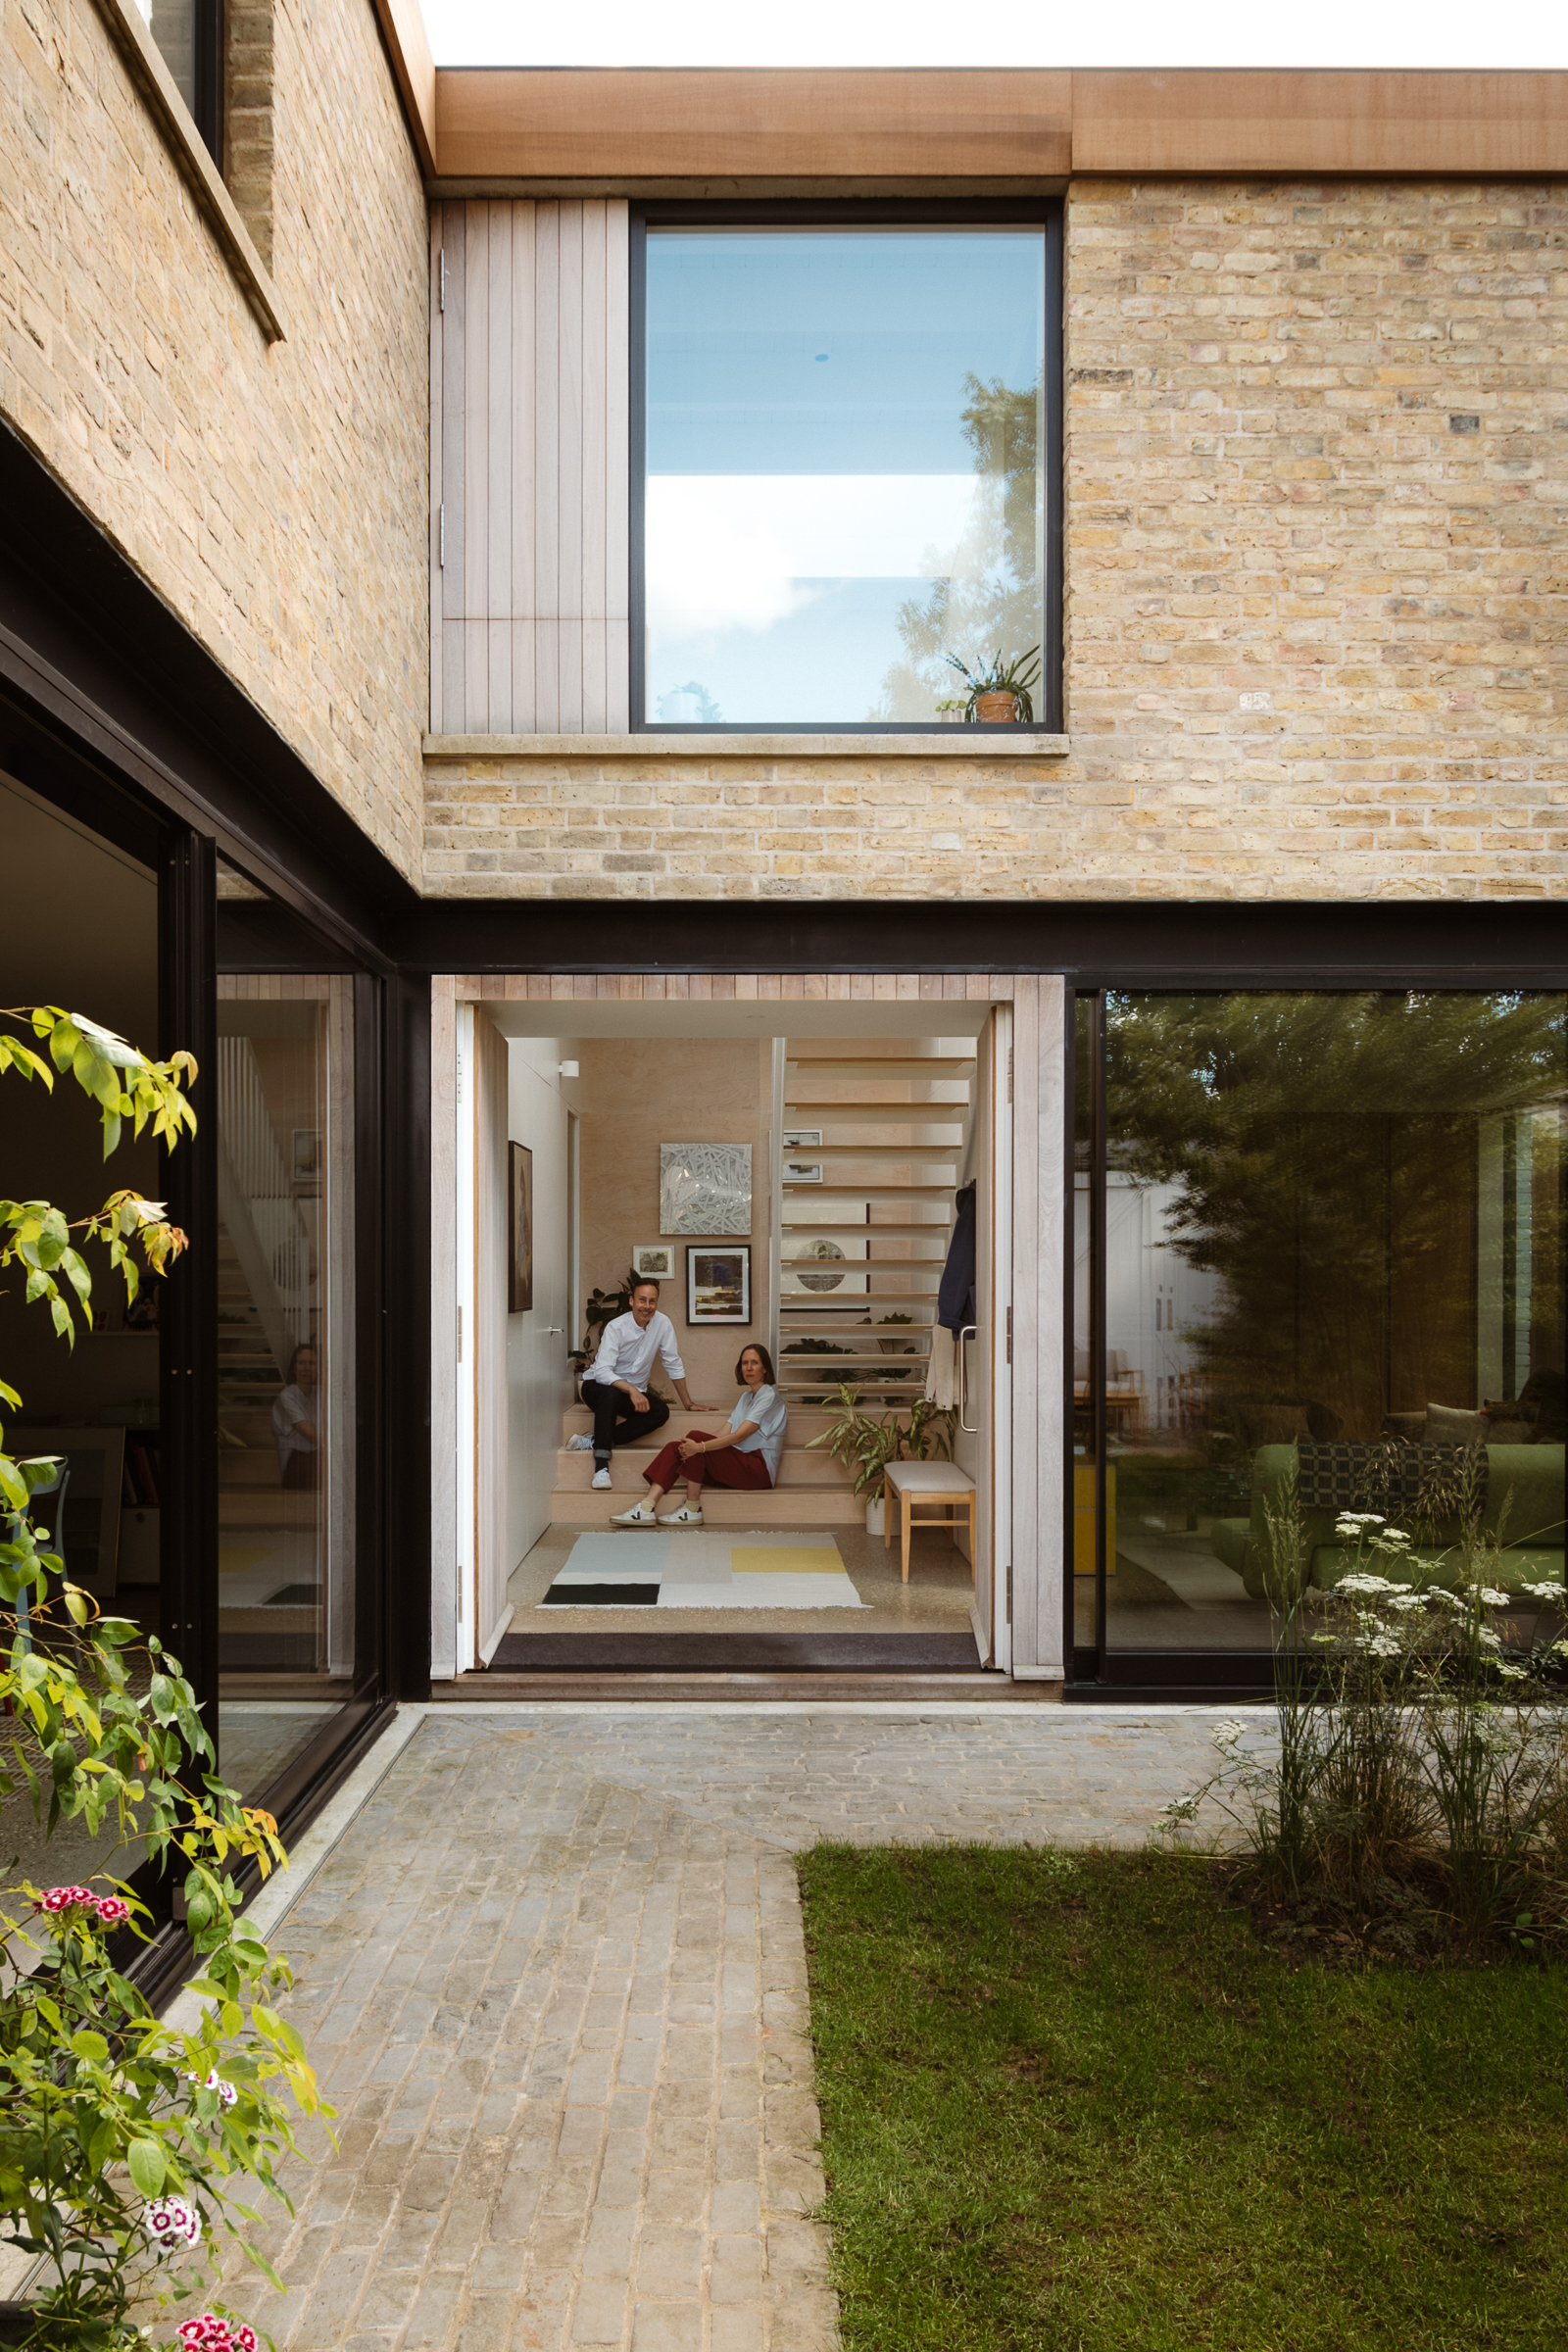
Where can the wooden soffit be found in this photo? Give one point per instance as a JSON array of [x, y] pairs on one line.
[[639, 128]]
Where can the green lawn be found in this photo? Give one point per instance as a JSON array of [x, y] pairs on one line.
[[1090, 2112]]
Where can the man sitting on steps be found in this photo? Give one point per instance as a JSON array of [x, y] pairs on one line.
[[615, 1386]]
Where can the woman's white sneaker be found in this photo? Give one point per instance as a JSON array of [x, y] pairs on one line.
[[641, 1514], [684, 1517], [601, 1478]]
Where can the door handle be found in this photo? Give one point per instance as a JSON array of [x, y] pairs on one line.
[[555, 1331], [970, 1428]]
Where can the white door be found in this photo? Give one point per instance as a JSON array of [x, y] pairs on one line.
[[984, 1358], [537, 1341]]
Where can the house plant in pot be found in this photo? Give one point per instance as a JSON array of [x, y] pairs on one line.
[[865, 1444], [123, 2137], [1001, 694]]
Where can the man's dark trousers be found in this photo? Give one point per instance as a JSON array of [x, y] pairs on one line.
[[616, 1422]]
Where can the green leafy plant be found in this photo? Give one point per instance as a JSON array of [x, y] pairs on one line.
[[1017, 676], [122, 2139], [866, 1442]]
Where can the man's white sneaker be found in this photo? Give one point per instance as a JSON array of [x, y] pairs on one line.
[[684, 1517], [641, 1514], [601, 1478]]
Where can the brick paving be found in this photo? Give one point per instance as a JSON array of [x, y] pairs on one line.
[[554, 1979]]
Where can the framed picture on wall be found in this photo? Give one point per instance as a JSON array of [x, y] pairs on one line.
[[520, 1236], [653, 1258], [798, 1142], [718, 1284]]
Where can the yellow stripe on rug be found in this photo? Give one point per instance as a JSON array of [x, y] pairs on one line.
[[786, 1559]]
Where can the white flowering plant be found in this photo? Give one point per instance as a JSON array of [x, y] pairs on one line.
[[1417, 1752]]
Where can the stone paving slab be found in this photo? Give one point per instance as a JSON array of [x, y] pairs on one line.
[[553, 1978]]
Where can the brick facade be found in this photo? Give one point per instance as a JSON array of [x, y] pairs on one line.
[[274, 496], [1316, 458]]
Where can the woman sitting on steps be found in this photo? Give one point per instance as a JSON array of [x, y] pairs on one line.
[[746, 1455]]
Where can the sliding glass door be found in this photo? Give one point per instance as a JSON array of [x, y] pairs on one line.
[[1316, 1237]]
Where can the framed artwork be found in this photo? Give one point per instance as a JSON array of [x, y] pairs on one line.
[[704, 1188], [799, 1141], [307, 1155], [520, 1236], [655, 1258], [718, 1284]]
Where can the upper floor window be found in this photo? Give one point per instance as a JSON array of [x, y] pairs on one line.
[[845, 487], [189, 37]]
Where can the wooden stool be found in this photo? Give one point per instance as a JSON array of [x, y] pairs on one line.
[[932, 1486]]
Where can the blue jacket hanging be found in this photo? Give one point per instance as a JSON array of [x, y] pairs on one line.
[[956, 1294]]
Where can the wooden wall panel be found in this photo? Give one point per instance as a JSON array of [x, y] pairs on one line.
[[530, 361]]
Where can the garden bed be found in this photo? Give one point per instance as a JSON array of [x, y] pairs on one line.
[[1079, 2103]]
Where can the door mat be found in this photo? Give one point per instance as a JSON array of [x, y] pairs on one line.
[[701, 1568], [811, 1650]]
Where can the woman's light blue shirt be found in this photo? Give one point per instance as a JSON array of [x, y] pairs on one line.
[[768, 1410]]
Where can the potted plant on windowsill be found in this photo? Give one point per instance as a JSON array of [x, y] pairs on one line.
[[1001, 694], [866, 1444]]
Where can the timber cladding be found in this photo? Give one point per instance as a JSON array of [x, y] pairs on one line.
[[1315, 507]]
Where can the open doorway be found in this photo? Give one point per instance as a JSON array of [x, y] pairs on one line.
[[793, 1178]]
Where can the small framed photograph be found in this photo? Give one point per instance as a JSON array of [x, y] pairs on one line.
[[308, 1156], [798, 1168], [718, 1284], [653, 1258], [519, 1239]]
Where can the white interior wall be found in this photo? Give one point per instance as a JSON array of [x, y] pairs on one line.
[[538, 1342]]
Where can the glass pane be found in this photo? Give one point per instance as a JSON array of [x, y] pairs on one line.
[[846, 478], [1334, 1232], [93, 1404], [286, 1368], [173, 24], [1084, 1453]]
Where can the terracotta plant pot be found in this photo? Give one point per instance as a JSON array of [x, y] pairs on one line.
[[996, 709]]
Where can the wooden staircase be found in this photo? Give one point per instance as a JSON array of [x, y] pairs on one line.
[[895, 1122], [250, 1488], [813, 1491]]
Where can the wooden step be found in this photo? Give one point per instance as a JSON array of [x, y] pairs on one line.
[[806, 1422], [795, 1506], [798, 1467], [876, 1114], [880, 1065]]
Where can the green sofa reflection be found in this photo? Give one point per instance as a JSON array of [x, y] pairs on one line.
[[1524, 1498]]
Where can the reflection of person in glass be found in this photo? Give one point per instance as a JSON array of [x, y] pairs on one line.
[[294, 1419]]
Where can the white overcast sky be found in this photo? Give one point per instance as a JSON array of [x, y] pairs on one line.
[[1016, 32]]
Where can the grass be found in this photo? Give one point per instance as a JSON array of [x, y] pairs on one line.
[[1083, 2107]]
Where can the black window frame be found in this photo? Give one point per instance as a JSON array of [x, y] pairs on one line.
[[906, 212]]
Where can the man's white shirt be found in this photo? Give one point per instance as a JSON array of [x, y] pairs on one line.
[[627, 1350]]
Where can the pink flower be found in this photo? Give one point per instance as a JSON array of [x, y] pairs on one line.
[[111, 1909], [214, 2081], [244, 2338], [65, 1898], [172, 2222], [210, 2334]]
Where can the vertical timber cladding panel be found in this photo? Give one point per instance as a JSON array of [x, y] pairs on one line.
[[531, 376]]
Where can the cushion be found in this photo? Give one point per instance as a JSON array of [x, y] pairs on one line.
[[1525, 1495], [928, 1478], [1511, 1432], [1454, 1425]]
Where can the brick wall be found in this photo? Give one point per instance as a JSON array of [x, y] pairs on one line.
[[1317, 542], [275, 497]]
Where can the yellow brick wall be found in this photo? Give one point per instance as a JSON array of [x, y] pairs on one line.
[[1318, 456], [275, 498]]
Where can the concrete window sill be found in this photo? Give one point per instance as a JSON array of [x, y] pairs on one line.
[[952, 742], [184, 143]]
